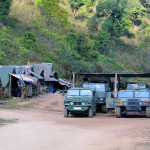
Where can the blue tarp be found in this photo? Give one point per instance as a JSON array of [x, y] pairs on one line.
[[36, 75]]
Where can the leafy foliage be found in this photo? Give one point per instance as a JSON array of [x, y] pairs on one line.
[[117, 39], [4, 9], [103, 40], [54, 11], [75, 4], [119, 14], [93, 24]]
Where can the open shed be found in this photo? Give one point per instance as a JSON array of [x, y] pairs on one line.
[[115, 75]]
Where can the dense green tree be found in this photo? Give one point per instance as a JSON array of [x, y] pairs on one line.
[[71, 39], [93, 24], [119, 15], [29, 41], [4, 9], [102, 42], [82, 47], [92, 56]]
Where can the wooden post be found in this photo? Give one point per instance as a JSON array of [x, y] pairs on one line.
[[10, 80], [116, 82], [77, 81], [73, 80]]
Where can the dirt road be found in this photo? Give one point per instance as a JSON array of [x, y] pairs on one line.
[[49, 130]]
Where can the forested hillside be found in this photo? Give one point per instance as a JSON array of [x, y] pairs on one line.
[[77, 35]]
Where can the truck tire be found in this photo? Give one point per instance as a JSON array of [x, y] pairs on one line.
[[66, 112], [147, 112], [104, 109], [118, 112], [90, 112]]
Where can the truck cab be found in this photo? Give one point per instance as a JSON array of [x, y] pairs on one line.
[[133, 101], [101, 92], [80, 101]]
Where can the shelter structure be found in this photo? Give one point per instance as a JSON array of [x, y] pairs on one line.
[[4, 79], [64, 84], [50, 78], [22, 83], [117, 77]]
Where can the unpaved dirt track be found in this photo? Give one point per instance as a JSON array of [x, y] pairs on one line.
[[49, 130]]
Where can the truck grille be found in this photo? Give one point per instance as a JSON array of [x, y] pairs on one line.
[[133, 104], [77, 103]]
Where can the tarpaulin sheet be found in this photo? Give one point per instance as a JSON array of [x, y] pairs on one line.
[[64, 82], [48, 72], [38, 68], [26, 78], [19, 69], [36, 75], [28, 69], [4, 74]]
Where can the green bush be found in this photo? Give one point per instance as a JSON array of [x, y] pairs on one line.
[[102, 42], [4, 9]]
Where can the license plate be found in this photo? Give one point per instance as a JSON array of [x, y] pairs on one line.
[[77, 108]]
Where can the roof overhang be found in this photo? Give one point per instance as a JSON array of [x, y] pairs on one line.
[[141, 75]]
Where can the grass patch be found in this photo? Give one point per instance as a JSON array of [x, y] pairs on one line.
[[145, 144], [4, 122], [54, 103], [19, 103]]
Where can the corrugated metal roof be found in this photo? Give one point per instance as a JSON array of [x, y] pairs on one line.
[[26, 78], [64, 82], [22, 77]]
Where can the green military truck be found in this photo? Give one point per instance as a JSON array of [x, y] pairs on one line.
[[80, 101], [132, 102], [101, 92]]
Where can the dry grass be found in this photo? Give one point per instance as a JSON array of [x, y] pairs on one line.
[[25, 12], [79, 25], [146, 20]]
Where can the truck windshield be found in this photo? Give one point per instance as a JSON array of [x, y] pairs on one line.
[[125, 94], [85, 93], [142, 86], [132, 86], [97, 86], [142, 94], [73, 93]]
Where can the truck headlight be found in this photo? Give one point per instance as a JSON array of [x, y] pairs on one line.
[[71, 103], [83, 103], [125, 103], [140, 103]]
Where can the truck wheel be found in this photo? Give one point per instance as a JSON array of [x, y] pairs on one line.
[[66, 112], [118, 112], [90, 112], [147, 112], [104, 109]]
